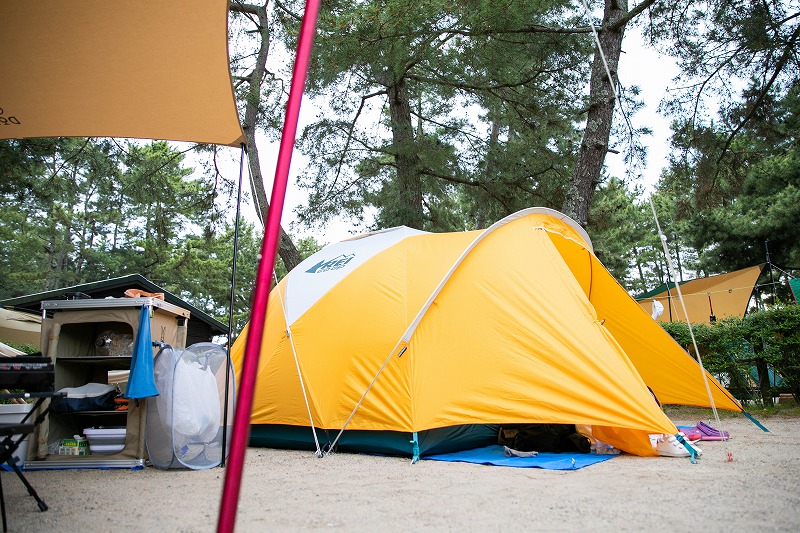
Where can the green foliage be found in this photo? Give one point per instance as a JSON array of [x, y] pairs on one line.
[[730, 206], [441, 115], [734, 348], [84, 210], [25, 348], [208, 260], [623, 236], [733, 180], [721, 45]]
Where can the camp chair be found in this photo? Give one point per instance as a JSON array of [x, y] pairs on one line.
[[38, 376], [8, 446]]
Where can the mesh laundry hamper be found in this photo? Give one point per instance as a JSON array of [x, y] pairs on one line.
[[185, 421]]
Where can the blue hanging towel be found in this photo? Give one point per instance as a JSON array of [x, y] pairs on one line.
[[142, 381]]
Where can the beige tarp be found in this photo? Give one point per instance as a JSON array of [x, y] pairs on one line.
[[20, 328], [149, 69], [727, 294]]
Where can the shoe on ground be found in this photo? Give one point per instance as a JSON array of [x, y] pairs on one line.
[[697, 451], [668, 446]]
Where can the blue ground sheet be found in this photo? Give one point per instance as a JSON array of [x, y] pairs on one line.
[[494, 455]]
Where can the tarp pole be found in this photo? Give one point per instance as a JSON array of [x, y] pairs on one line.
[[712, 318], [241, 418], [669, 294], [771, 277], [232, 305]]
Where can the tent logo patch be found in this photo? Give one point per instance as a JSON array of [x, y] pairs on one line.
[[6, 120], [331, 264]]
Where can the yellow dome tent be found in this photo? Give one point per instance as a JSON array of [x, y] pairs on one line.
[[418, 343]]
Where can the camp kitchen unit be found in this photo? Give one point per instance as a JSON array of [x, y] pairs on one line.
[[90, 341]]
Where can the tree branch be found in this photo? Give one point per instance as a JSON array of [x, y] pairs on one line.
[[787, 53], [633, 13], [286, 10], [240, 7], [349, 137]]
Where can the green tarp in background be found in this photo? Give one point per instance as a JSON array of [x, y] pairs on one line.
[[794, 283]]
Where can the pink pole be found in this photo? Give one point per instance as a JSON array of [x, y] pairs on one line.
[[241, 418]]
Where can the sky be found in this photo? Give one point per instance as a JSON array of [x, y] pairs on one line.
[[638, 66], [653, 73]]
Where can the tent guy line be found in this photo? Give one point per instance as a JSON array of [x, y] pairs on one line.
[[670, 266], [318, 451]]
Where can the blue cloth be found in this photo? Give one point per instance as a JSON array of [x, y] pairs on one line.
[[142, 381], [494, 455]]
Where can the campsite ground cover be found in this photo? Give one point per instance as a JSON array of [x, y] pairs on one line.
[[286, 490]]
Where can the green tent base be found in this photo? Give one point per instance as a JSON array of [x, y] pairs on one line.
[[399, 443]]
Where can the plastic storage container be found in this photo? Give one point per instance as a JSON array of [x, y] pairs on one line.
[[13, 413], [105, 440]]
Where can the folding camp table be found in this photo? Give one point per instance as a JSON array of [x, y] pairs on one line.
[[33, 373]]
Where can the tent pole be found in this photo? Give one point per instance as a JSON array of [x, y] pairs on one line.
[[230, 309], [241, 418]]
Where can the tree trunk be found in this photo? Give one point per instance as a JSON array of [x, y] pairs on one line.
[[639, 267], [287, 251], [601, 112], [764, 382], [409, 211], [481, 217]]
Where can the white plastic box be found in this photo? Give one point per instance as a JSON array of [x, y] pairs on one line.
[[105, 440], [13, 413]]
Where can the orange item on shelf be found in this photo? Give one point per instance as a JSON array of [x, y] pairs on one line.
[[136, 293]]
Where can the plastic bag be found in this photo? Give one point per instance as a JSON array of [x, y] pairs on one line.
[[195, 416]]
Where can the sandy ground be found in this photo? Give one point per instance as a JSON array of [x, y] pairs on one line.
[[294, 491]]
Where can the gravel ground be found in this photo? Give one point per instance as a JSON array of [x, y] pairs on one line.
[[284, 490]]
